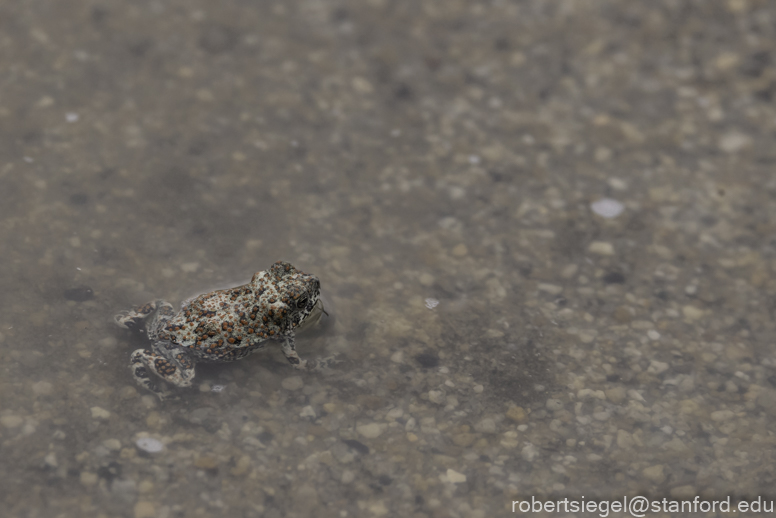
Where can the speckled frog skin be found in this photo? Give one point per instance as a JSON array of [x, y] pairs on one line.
[[222, 326]]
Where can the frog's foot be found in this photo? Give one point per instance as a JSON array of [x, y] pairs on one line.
[[174, 367], [125, 321], [134, 318]]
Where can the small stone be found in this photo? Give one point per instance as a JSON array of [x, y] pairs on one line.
[[348, 477], [11, 421], [455, 477], [292, 383], [653, 335], [617, 184], [149, 444], [99, 413], [622, 315], [112, 444], [487, 425], [601, 248], [654, 473], [676, 445], [128, 392], [362, 85], [436, 396], [50, 460], [656, 367], [88, 478], [241, 466], [307, 411], [569, 271], [607, 208], [552, 289], [426, 279], [722, 415], [460, 250], [42, 388], [395, 413], [144, 509], [154, 420], [397, 357], [684, 492], [529, 452], [516, 413], [766, 399], [378, 508], [692, 313], [206, 462], [464, 439], [371, 430], [624, 440], [554, 404], [109, 341], [602, 154], [734, 142], [189, 267], [615, 394], [145, 486]]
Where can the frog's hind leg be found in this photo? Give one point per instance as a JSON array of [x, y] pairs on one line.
[[173, 366], [159, 312]]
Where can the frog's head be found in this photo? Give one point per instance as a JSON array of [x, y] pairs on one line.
[[299, 293]]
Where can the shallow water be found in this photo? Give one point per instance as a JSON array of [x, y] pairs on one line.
[[437, 165]]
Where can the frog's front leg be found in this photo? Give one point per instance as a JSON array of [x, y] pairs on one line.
[[166, 360], [159, 311], [289, 350]]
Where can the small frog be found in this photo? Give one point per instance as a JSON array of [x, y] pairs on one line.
[[223, 325]]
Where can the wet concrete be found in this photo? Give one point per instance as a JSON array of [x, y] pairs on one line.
[[438, 165]]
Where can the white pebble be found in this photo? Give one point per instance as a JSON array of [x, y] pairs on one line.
[[71, 117], [607, 208], [371, 430], [432, 303], [150, 444], [307, 411]]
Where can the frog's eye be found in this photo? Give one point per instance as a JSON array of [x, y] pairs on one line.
[[302, 302]]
